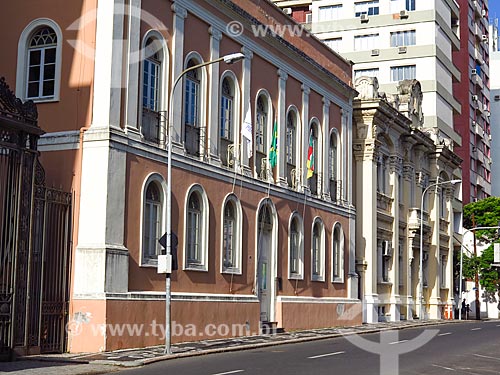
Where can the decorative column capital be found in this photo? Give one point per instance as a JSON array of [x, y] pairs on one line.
[[215, 33], [179, 10], [326, 102], [408, 171], [247, 52], [282, 74], [305, 89], [396, 164]]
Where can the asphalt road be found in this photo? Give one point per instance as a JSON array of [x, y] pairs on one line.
[[459, 348]]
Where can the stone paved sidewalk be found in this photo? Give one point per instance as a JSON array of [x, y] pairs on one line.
[[99, 363]]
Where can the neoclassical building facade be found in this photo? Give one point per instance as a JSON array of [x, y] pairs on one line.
[[400, 159], [260, 242]]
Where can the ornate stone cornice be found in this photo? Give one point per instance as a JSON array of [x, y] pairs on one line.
[[396, 164], [408, 171]]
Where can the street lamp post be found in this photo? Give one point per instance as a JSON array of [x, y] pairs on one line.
[[421, 255], [473, 230], [228, 59]]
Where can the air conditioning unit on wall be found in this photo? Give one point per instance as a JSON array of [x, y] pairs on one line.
[[403, 14], [402, 49], [364, 17]]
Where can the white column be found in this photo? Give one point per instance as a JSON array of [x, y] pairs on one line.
[[246, 107], [108, 64], [347, 163], [179, 15], [305, 134], [325, 180], [281, 118], [395, 169], [213, 98], [434, 255], [133, 76]]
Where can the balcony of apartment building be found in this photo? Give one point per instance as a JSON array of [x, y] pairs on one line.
[[414, 219], [384, 203], [478, 56], [477, 79]]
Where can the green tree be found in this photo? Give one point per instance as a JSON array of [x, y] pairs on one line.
[[483, 213]]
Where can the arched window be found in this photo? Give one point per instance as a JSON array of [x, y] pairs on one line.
[[192, 109], [333, 160], [261, 130], [39, 61], [226, 118], [296, 248], [196, 230], [42, 53], [317, 252], [261, 125], [337, 254], [231, 236], [151, 90], [152, 222], [291, 147], [312, 157]]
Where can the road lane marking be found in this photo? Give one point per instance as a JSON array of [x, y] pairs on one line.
[[229, 372], [325, 355], [485, 356], [475, 329], [444, 334], [445, 368], [498, 325], [397, 342]]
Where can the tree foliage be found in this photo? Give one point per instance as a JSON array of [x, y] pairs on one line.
[[486, 214]]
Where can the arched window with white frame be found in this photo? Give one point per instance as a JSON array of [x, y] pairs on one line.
[[39, 61], [318, 251], [193, 115], [313, 154], [153, 87], [291, 147], [337, 254], [333, 167], [263, 115], [228, 113], [153, 220], [196, 230], [231, 235], [296, 248]]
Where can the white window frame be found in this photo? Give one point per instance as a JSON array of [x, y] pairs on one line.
[[320, 275], [364, 7], [370, 72], [330, 12], [338, 252], [333, 43], [237, 235], [204, 229], [299, 275], [291, 142], [156, 178], [366, 42], [23, 63], [403, 72], [162, 73], [403, 38], [266, 132]]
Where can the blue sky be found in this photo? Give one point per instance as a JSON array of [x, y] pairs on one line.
[[494, 8]]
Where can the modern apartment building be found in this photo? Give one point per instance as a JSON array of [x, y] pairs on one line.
[[473, 93], [495, 106]]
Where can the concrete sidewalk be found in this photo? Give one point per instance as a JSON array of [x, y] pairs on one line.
[[100, 363]]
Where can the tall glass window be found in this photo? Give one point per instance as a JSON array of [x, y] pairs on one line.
[[193, 248], [42, 64], [152, 222]]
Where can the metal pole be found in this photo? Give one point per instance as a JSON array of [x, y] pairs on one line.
[[229, 59], [476, 275], [460, 283]]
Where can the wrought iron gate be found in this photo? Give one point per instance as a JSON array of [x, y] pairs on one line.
[[35, 243]]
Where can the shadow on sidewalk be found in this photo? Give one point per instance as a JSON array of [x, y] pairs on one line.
[[28, 365]]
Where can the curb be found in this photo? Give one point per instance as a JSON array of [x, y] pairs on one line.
[[168, 357]]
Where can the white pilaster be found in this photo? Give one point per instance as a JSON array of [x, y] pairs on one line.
[[108, 64], [325, 181], [246, 107], [281, 114], [305, 133], [395, 169], [133, 47], [179, 14], [213, 98]]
